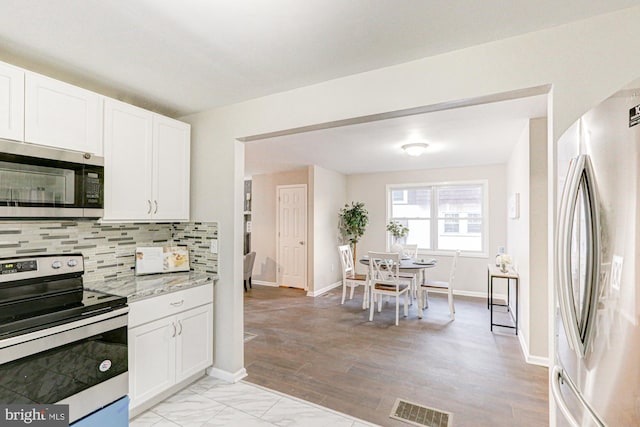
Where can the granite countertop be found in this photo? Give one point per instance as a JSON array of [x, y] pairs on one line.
[[136, 288]]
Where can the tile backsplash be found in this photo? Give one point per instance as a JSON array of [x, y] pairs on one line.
[[108, 249]]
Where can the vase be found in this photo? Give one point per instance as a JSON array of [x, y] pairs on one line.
[[503, 267]]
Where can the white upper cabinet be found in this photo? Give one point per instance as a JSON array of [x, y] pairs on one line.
[[61, 115], [128, 139], [11, 102], [171, 168], [147, 165]]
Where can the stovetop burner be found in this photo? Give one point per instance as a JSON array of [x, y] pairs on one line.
[[93, 303]]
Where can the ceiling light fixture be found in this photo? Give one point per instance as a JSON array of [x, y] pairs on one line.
[[415, 149]]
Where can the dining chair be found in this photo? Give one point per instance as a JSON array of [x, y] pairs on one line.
[[350, 278], [411, 251], [384, 275], [249, 259], [442, 286]]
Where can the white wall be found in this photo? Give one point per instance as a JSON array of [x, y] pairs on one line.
[[471, 276], [526, 237], [539, 251], [584, 62], [263, 219], [328, 196]]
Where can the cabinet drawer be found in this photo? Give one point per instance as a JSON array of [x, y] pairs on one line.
[[169, 304]]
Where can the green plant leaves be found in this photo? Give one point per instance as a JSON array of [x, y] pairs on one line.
[[353, 221]]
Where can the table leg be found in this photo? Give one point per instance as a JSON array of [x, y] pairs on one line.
[[517, 291], [488, 279], [491, 301], [419, 290], [508, 294]]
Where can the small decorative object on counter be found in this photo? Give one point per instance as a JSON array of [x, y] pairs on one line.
[[159, 259], [505, 261]]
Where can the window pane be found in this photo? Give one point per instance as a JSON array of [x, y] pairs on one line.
[[459, 223], [474, 223], [399, 196], [411, 203], [419, 233], [451, 224], [460, 199], [453, 241], [460, 217]]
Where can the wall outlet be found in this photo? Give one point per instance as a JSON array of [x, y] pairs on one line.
[[214, 246]]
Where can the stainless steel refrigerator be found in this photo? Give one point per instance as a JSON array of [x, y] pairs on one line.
[[596, 375]]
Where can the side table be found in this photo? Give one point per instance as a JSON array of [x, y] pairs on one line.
[[494, 272]]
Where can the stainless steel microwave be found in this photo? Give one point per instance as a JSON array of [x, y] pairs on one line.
[[42, 182]]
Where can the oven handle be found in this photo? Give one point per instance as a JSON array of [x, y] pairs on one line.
[[120, 313], [50, 341]]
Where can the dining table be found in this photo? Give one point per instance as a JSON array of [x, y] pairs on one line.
[[417, 266]]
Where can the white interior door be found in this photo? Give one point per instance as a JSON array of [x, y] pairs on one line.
[[292, 236]]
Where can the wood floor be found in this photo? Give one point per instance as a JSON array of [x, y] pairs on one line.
[[330, 354]]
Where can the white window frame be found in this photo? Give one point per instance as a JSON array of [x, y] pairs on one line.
[[433, 220]]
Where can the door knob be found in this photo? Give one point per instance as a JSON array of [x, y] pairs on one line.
[[301, 242]]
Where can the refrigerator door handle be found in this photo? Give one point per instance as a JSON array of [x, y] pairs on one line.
[[563, 251], [580, 181], [556, 377]]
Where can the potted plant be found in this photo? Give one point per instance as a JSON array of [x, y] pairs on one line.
[[353, 221], [398, 231]]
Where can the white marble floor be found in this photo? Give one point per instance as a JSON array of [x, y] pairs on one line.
[[212, 402]]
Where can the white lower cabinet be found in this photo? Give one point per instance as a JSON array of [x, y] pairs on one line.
[[170, 340]]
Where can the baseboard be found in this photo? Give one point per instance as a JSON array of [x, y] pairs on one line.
[[263, 283], [532, 360], [315, 293], [230, 377]]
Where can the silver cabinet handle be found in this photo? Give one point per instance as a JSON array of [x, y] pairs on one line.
[[174, 330], [156, 211], [177, 303], [180, 323], [149, 211]]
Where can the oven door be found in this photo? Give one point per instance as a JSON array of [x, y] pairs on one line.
[[83, 364]]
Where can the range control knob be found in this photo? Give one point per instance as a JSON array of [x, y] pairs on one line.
[[72, 262], [56, 264]]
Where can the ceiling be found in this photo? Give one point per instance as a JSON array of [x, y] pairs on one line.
[[466, 136], [180, 57]]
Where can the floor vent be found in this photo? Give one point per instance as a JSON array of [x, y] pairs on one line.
[[249, 336], [419, 415]]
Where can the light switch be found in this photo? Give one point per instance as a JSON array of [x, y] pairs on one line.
[[214, 246]]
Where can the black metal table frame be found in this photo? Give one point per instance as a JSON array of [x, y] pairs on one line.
[[491, 304]]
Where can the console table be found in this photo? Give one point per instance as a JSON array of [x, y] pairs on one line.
[[494, 272]]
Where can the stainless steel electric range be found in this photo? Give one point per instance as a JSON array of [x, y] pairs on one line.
[[60, 343]]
